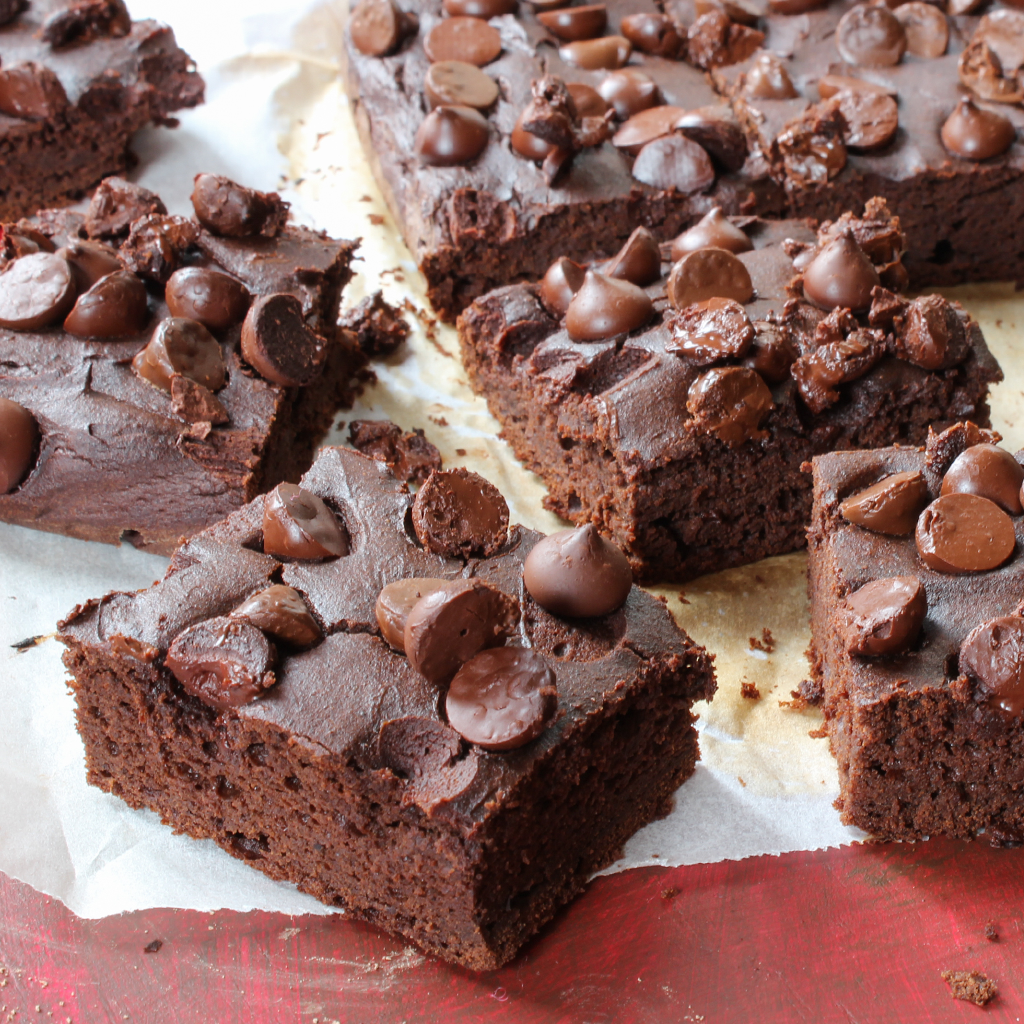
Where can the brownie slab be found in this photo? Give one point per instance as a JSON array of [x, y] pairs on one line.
[[466, 857]]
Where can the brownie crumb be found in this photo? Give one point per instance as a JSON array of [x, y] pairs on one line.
[[411, 456], [153, 947], [667, 894], [375, 219], [750, 691], [821, 733], [378, 326], [970, 986], [809, 691], [991, 932], [439, 420], [429, 324], [766, 643], [29, 642], [461, 452]]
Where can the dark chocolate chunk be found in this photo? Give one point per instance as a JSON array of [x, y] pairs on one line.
[[607, 52], [19, 441], [181, 347], [379, 328], [455, 83], [395, 602], [715, 131], [768, 79], [605, 307], [89, 261], [885, 616], [992, 655], [485, 9], [468, 39], [651, 33], [989, 471], [10, 9], [708, 274], [589, 102], [115, 204], [840, 276], [86, 20], [502, 699], [297, 524], [674, 162], [457, 512], [713, 231], [639, 260], [427, 754], [211, 297], [715, 40], [819, 373], [445, 628], [450, 136], [195, 403], [975, 133], [35, 291], [155, 245], [871, 34], [731, 403], [960, 533], [411, 457], [281, 612], [890, 506], [561, 282], [224, 662], [234, 211], [31, 91], [811, 146], [573, 23], [628, 91], [932, 335], [378, 26], [279, 344], [577, 574], [710, 331], [114, 307], [645, 127], [926, 28]]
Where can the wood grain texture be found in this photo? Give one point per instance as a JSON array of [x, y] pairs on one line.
[[858, 934]]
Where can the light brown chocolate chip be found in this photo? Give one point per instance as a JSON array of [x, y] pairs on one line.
[[926, 28], [468, 39], [645, 127], [730, 402], [890, 506], [959, 533], [459, 513], [709, 274]]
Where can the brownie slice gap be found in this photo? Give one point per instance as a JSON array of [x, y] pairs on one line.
[[344, 777]]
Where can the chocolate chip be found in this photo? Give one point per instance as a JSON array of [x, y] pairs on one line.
[[279, 345], [674, 162], [989, 471], [768, 79], [395, 602], [795, 6], [941, 449], [450, 136], [10, 9], [459, 513], [445, 628], [281, 612], [184, 348], [89, 261], [811, 147], [709, 331], [378, 27], [713, 231], [480, 8], [31, 91], [1003, 31], [454, 83], [960, 533], [19, 442], [35, 291], [223, 662], [574, 23], [410, 456], [718, 134], [730, 402], [17, 240], [655, 34], [629, 90], [975, 133], [932, 334], [840, 276], [577, 574], [818, 374], [709, 274], [297, 524], [156, 244], [870, 34], [890, 506], [589, 102], [526, 144], [502, 699], [605, 307], [870, 120], [715, 40], [214, 299], [561, 282], [115, 204], [773, 353], [195, 403], [743, 12], [926, 28], [645, 127], [639, 260], [980, 71], [993, 656], [885, 616], [607, 52], [234, 211], [114, 307], [468, 39], [84, 21], [829, 85]]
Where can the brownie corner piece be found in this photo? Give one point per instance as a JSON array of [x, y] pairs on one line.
[[341, 767]]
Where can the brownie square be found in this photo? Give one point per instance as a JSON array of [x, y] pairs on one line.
[[322, 780]]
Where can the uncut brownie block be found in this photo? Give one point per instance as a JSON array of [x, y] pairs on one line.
[[466, 857], [921, 749], [606, 424], [115, 76], [116, 459]]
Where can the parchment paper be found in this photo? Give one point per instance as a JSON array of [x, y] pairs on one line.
[[277, 117]]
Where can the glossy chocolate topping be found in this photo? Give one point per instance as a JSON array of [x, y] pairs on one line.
[[460, 38], [639, 260], [710, 331], [562, 281], [628, 91], [216, 300], [572, 23], [89, 261], [184, 348], [976, 133], [35, 291], [234, 211], [456, 83], [607, 52], [279, 344], [840, 276], [731, 403]]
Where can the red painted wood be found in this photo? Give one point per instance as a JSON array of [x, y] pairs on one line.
[[853, 935]]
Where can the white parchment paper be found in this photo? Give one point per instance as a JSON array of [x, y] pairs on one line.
[[276, 117]]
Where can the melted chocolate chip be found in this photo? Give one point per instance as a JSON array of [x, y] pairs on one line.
[[639, 260], [574, 23], [485, 9], [234, 211], [19, 441], [459, 513], [454, 83], [774, 352], [468, 39], [502, 699], [281, 612], [926, 28], [960, 533], [279, 345], [709, 274], [870, 34], [655, 34], [885, 616], [890, 506], [35, 291], [731, 403], [31, 91], [195, 403], [932, 334], [450, 136], [184, 348], [444, 629], [605, 307], [210, 297], [818, 374], [811, 146], [674, 162], [710, 331], [10, 9], [114, 307], [608, 52], [768, 79], [840, 276], [115, 204], [577, 574], [628, 91], [645, 127], [713, 231], [297, 524], [395, 602], [223, 662], [989, 471], [561, 282], [89, 261], [870, 119], [975, 133], [84, 21], [993, 656]]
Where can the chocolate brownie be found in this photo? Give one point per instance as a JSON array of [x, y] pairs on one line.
[[915, 577], [552, 130], [77, 80], [151, 388], [287, 690], [681, 432]]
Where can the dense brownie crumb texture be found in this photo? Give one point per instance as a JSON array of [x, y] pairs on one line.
[[157, 371], [918, 636], [673, 404], [408, 709], [77, 80], [505, 134]]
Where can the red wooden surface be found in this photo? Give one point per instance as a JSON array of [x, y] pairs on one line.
[[853, 935]]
